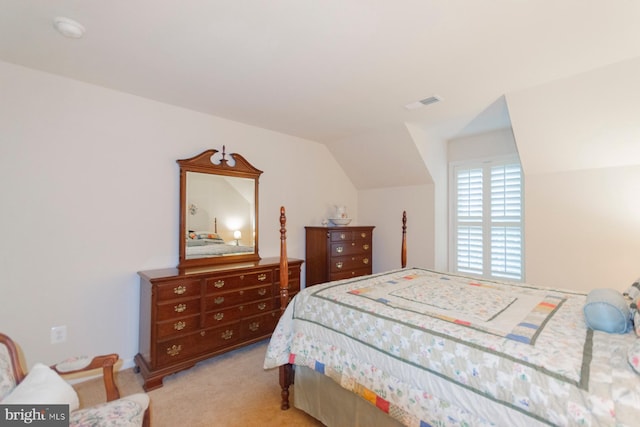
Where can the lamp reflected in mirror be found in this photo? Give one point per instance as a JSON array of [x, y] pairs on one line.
[[237, 235]]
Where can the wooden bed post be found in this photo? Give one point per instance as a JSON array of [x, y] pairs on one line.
[[286, 371], [284, 263], [403, 251]]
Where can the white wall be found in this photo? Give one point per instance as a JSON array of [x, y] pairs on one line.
[[89, 190], [579, 144], [582, 228], [433, 154], [383, 208]]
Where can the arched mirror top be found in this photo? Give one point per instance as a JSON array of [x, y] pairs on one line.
[[218, 209]]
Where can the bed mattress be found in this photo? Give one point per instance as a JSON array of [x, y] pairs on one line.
[[430, 348]]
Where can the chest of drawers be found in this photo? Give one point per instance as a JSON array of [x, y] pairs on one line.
[[334, 253], [190, 315]]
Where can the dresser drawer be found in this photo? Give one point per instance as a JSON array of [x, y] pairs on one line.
[[239, 281], [177, 326], [223, 315], [226, 299], [293, 289], [294, 274], [259, 325], [178, 289], [180, 348], [179, 308], [339, 264]]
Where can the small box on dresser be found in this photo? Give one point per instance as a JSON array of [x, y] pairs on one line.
[[334, 253], [190, 315]]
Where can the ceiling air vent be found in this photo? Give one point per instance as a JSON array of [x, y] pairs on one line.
[[427, 101]]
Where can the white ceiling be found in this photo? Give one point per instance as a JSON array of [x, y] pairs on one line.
[[325, 70]]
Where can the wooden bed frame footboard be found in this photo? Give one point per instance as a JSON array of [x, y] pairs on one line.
[[286, 376]]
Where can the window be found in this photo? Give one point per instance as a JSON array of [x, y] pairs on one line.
[[487, 218]]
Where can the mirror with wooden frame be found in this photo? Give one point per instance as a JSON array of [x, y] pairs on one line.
[[218, 209]]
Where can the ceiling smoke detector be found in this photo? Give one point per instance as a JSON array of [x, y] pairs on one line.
[[427, 101], [68, 27]]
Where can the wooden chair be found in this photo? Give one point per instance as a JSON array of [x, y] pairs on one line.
[[134, 409]]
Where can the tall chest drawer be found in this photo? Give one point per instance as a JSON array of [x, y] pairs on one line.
[[349, 235], [355, 262], [355, 247]]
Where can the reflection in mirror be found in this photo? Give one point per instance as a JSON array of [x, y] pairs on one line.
[[220, 215], [218, 209]]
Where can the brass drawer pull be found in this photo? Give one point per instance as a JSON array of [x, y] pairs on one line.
[[179, 290], [218, 283], [339, 264], [365, 247], [262, 291], [339, 249], [254, 326], [174, 350], [180, 308], [219, 300], [226, 335], [365, 261], [363, 235], [178, 326], [262, 306], [343, 236], [218, 316], [203, 333], [262, 277]]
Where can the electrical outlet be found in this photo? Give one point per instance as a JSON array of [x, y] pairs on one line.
[[58, 334]]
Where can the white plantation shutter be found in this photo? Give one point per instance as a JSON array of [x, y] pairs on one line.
[[506, 221], [469, 255], [488, 219]]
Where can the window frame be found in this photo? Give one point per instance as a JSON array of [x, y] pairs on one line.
[[486, 163]]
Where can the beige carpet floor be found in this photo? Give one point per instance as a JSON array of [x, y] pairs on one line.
[[225, 391]]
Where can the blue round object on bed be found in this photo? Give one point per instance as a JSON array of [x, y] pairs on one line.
[[607, 310]]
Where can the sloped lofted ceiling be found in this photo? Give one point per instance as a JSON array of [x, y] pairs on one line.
[[338, 72]]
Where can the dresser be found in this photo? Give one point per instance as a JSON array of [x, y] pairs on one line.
[[334, 253], [193, 314]]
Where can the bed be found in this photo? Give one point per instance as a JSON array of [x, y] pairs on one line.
[[418, 347], [206, 244]]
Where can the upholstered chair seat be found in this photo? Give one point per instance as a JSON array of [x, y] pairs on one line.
[[44, 385]]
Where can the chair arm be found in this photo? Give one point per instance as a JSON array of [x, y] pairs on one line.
[[14, 358], [83, 364]]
